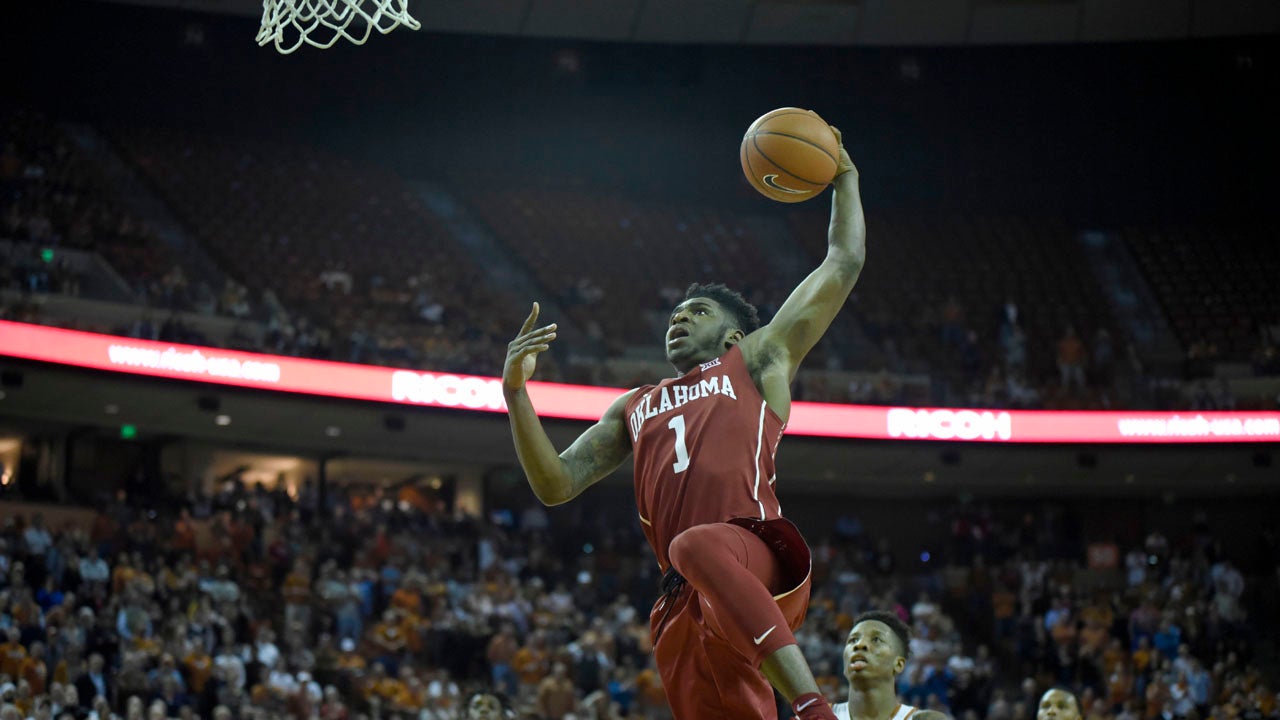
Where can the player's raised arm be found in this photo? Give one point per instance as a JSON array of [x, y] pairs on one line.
[[557, 478], [808, 312]]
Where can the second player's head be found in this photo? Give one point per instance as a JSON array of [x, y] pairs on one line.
[[710, 320], [1058, 704], [484, 706], [876, 649]]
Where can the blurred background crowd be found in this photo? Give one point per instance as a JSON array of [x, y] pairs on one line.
[[262, 605]]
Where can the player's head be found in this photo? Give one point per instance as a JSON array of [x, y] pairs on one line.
[[711, 319], [876, 649], [1058, 704], [484, 706]]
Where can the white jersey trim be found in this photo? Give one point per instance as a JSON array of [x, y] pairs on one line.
[[755, 490]]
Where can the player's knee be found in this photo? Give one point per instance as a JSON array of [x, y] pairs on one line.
[[693, 548]]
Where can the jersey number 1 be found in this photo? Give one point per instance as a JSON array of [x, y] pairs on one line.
[[682, 453]]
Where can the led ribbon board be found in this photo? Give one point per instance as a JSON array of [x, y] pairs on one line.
[[577, 402]]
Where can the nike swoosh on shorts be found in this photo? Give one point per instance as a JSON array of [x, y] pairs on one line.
[[765, 634]]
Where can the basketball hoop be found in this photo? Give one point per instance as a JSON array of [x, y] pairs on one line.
[[320, 23]]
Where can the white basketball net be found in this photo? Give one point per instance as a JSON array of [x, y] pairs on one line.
[[320, 23]]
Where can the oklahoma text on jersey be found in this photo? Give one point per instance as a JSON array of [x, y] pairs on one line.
[[679, 395]]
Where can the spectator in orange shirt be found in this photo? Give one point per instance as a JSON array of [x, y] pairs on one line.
[[199, 668], [379, 683], [1003, 608], [12, 653], [531, 661], [122, 574], [407, 694], [408, 597], [34, 670]]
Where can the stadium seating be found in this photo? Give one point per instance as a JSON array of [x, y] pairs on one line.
[[343, 245], [918, 261], [627, 251], [51, 197], [369, 275], [1216, 285]]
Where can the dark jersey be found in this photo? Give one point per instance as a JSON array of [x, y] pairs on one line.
[[703, 445]]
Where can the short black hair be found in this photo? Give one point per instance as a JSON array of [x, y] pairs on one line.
[[1066, 691], [744, 314], [895, 624]]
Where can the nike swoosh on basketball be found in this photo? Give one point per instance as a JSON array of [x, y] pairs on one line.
[[807, 704], [765, 635], [772, 181]]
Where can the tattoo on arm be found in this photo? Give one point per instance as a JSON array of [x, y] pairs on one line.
[[593, 456], [598, 451]]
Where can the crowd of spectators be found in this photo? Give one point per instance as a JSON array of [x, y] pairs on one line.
[[379, 282], [253, 603], [1157, 630], [52, 198], [343, 258]]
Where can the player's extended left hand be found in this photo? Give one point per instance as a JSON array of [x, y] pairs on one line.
[[522, 353], [844, 164]]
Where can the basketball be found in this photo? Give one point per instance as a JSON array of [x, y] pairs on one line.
[[789, 154]]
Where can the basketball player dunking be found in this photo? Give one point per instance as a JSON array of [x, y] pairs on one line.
[[736, 574], [875, 653]]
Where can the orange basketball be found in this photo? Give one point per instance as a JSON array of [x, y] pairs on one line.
[[789, 154]]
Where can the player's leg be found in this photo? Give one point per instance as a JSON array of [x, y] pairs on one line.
[[737, 575], [743, 691], [679, 653]]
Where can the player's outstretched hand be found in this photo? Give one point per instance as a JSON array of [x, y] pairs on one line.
[[522, 353], [844, 163]]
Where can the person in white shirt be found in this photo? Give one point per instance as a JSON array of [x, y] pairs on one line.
[[875, 653], [36, 537], [93, 569]]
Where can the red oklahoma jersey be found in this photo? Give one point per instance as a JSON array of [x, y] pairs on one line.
[[704, 445]]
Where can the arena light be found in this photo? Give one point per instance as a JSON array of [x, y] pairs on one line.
[[577, 402]]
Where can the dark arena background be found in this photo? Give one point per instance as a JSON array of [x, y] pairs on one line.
[[253, 456]]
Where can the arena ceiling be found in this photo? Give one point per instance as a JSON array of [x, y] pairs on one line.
[[827, 22], [58, 399]]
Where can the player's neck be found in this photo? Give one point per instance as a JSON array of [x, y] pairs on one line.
[[877, 702], [699, 362]]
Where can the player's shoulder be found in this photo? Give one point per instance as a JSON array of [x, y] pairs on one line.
[[928, 715], [619, 404]]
